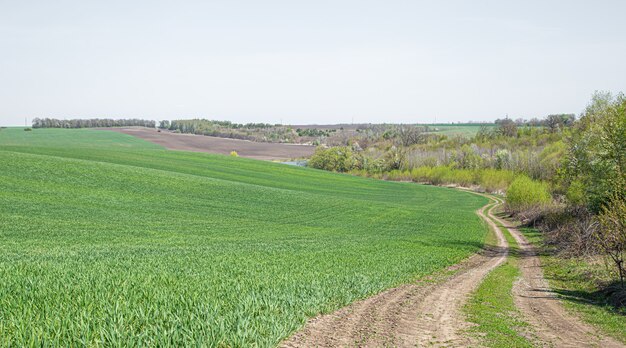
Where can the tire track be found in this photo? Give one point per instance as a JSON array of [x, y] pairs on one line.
[[541, 308]]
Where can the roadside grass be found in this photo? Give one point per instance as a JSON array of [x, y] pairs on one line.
[[121, 243], [577, 282], [491, 307]]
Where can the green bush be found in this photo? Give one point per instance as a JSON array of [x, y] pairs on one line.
[[524, 193], [336, 159], [494, 180]]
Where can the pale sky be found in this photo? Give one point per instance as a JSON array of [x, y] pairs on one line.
[[307, 61]]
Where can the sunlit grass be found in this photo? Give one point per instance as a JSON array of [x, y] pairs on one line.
[[119, 242]]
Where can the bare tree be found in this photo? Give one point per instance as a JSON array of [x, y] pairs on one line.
[[409, 135]]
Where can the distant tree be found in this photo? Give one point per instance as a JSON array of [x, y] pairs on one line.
[[558, 122], [534, 122], [90, 123], [506, 127], [165, 124]]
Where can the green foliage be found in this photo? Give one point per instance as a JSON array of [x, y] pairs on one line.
[[494, 180], [335, 159], [165, 124], [503, 159], [314, 132], [261, 132], [467, 158], [91, 123], [490, 179], [576, 193], [525, 193], [107, 240], [551, 160], [597, 150]]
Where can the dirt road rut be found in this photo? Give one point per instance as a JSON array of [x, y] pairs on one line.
[[554, 326]]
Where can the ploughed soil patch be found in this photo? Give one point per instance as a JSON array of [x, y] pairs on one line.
[[224, 146]]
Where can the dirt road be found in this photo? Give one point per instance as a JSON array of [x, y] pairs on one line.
[[552, 323], [201, 143], [427, 313]]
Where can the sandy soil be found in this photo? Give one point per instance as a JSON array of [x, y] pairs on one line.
[[200, 143], [552, 323], [427, 313]]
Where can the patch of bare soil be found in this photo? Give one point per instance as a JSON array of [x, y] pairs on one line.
[[201, 143], [426, 313], [552, 323]]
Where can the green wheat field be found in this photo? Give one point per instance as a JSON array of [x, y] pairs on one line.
[[106, 239]]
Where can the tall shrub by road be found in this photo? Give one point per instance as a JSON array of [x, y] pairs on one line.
[[525, 193]]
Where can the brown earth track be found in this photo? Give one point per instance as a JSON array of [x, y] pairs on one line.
[[553, 325], [428, 312], [201, 143]]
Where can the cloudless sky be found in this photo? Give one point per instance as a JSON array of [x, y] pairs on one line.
[[307, 61]]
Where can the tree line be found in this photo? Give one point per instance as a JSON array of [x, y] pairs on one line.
[[91, 123], [200, 125]]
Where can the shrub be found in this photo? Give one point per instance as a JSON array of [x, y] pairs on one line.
[[493, 180], [234, 154], [28, 129], [524, 193], [336, 159], [596, 160]]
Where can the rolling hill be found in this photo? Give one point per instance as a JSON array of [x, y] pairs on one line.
[[109, 239]]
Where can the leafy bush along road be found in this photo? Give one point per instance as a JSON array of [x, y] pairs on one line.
[[107, 239]]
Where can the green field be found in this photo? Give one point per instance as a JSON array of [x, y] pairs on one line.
[[109, 240], [466, 130]]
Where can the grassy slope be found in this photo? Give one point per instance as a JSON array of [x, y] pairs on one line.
[[571, 279], [492, 308], [105, 238]]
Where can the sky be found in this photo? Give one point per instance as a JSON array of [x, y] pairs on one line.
[[307, 62]]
